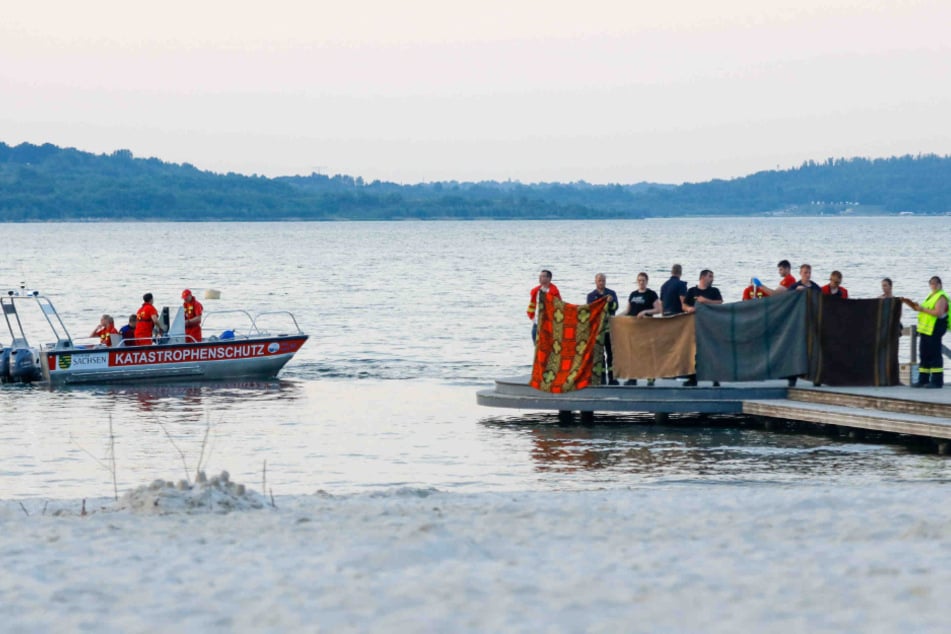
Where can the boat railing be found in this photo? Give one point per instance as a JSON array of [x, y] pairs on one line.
[[214, 316], [285, 313], [252, 324]]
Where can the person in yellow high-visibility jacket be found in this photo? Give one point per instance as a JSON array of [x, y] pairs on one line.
[[932, 324]]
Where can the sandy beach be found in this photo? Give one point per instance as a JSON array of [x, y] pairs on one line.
[[685, 557]]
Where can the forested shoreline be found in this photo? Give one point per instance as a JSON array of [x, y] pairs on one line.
[[50, 183]]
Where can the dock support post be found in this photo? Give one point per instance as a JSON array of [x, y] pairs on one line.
[[660, 418], [944, 447], [769, 425], [587, 418], [856, 434], [566, 417]]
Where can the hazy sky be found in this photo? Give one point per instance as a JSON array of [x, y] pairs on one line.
[[420, 90]]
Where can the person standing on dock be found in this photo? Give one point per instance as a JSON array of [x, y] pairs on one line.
[[672, 291], [886, 288], [805, 282], [544, 285], [932, 324], [147, 320], [643, 302], [703, 293], [834, 288], [786, 280], [755, 291], [193, 310], [600, 290]]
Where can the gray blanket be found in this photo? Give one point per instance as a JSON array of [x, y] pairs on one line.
[[753, 340]]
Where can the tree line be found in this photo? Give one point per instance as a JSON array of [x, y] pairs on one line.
[[46, 182]]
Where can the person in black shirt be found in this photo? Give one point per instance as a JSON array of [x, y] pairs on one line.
[[703, 293], [672, 291], [642, 302], [805, 282], [600, 290]]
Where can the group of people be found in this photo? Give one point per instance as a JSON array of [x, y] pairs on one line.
[[676, 298], [145, 323]]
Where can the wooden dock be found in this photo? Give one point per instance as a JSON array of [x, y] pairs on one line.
[[900, 410]]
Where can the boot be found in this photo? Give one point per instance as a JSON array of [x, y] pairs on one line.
[[937, 380], [923, 378]]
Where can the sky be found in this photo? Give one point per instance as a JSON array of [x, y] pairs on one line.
[[426, 90]]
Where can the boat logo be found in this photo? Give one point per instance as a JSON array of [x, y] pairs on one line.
[[64, 361], [273, 347]]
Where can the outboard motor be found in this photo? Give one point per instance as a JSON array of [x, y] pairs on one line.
[[5, 364], [23, 366]]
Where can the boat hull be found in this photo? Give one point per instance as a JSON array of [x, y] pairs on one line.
[[257, 357]]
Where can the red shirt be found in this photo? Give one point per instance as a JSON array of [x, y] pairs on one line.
[[748, 293], [144, 325], [104, 332], [552, 290], [193, 309], [827, 290], [787, 281]]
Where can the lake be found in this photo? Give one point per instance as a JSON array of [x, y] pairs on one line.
[[407, 321]]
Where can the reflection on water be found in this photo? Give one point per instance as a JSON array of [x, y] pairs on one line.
[[709, 448], [184, 398]]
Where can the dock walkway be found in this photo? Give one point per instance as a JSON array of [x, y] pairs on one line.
[[897, 410]]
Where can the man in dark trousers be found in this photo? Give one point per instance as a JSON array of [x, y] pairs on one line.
[[703, 293], [600, 290]]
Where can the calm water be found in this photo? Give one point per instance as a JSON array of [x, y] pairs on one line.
[[408, 320]]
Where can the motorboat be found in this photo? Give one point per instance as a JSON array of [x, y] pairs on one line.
[[246, 351]]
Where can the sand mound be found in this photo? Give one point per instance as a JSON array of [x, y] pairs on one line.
[[215, 495]]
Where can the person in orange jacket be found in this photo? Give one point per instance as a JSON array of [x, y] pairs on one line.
[[147, 320], [105, 330], [544, 285], [193, 310], [834, 287]]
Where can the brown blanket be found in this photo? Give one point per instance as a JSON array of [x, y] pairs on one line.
[[649, 348]]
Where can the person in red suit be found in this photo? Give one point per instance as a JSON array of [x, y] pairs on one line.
[[147, 320], [193, 310], [105, 330], [755, 290], [544, 285], [834, 287]]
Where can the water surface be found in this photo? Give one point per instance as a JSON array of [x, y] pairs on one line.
[[407, 321]]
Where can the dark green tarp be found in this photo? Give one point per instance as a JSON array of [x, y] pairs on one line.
[[754, 340]]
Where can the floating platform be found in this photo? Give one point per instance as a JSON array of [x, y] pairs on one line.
[[896, 410], [667, 396]]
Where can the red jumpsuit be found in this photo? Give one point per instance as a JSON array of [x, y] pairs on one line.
[[144, 325], [103, 333], [193, 309]]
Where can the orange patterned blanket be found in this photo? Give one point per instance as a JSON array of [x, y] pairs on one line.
[[569, 344]]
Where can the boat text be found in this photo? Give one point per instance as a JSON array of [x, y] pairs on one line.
[[184, 355]]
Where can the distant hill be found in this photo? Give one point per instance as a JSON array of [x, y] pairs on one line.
[[46, 182], [920, 184], [50, 183]]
